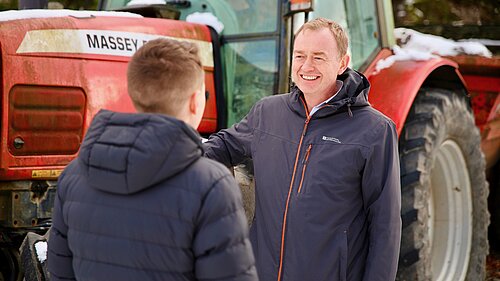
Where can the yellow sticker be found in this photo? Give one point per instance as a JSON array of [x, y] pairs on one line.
[[46, 173]]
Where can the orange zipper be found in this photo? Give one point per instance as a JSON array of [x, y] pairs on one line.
[[282, 248], [306, 158]]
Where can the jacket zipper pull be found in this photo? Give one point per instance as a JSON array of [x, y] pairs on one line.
[[306, 156], [305, 126], [349, 109]]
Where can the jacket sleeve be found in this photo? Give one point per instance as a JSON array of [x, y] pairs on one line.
[[233, 145], [59, 257], [381, 190], [221, 245]]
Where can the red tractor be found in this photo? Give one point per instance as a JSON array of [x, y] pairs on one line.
[[58, 71]]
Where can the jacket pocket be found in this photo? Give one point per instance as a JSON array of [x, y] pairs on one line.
[[304, 166]]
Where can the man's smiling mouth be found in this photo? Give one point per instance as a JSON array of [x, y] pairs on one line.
[[309, 77]]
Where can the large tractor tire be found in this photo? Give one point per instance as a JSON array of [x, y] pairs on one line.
[[10, 265], [243, 174], [444, 191]]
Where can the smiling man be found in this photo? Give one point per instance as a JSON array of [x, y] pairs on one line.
[[326, 170], [315, 67]]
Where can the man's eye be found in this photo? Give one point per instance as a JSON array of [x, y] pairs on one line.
[[319, 58], [299, 57]]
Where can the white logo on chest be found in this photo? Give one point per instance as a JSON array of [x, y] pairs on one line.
[[325, 138]]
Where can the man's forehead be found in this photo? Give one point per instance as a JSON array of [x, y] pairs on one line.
[[321, 43]]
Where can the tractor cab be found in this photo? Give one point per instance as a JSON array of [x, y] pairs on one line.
[[256, 41]]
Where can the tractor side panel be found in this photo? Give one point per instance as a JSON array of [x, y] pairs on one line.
[[394, 89]]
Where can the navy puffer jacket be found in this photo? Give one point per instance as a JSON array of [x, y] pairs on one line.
[[140, 203]]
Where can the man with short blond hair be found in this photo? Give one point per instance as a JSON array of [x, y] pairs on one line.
[[326, 165], [140, 202], [337, 31]]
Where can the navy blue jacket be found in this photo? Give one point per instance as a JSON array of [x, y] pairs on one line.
[[140, 203], [327, 188]]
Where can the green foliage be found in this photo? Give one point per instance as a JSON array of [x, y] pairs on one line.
[[446, 12], [79, 4], [454, 19], [9, 5]]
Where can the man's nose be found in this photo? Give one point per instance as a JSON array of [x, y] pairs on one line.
[[308, 64]]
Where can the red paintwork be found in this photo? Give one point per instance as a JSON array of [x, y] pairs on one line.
[[394, 89], [482, 76], [102, 78], [484, 92], [48, 119], [209, 123]]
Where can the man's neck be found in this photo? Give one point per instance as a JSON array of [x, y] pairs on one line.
[[313, 100]]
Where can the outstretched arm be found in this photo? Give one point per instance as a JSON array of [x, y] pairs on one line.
[[233, 145]]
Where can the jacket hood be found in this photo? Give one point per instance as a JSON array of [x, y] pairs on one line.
[[354, 93], [125, 153]]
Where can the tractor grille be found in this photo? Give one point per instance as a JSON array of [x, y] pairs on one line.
[[45, 120]]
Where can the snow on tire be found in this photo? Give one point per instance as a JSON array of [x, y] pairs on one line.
[[444, 191]]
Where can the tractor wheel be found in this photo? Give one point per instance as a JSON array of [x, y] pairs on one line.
[[10, 265], [444, 191], [243, 174]]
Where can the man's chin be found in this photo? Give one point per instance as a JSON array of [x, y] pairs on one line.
[[305, 89]]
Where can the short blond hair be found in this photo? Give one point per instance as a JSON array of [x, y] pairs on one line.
[[337, 31], [163, 74]]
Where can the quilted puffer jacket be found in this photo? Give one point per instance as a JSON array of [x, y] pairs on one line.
[[140, 203]]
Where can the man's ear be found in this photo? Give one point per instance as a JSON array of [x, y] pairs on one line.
[[193, 106], [344, 63]]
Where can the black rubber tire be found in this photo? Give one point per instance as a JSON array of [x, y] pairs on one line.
[[10, 265], [438, 115]]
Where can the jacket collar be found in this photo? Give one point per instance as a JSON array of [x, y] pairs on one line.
[[354, 93]]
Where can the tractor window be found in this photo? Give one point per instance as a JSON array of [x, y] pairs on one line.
[[248, 16], [360, 20], [238, 16], [251, 74], [363, 30], [323, 9]]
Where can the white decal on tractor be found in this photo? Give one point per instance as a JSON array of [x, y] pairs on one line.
[[98, 42]]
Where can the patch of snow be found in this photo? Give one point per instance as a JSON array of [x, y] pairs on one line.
[[403, 54], [487, 42], [413, 45], [41, 250], [40, 13], [206, 18], [145, 2], [411, 39]]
